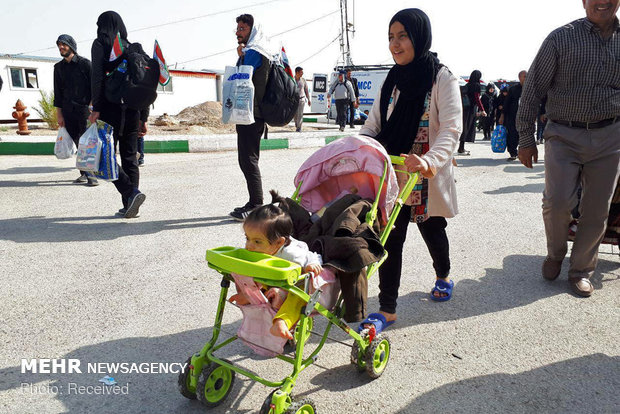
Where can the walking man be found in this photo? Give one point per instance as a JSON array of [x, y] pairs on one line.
[[356, 104], [509, 117], [252, 50], [578, 70], [72, 94], [345, 95], [302, 88]]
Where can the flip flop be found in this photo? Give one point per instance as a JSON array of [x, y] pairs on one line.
[[442, 287], [376, 319]]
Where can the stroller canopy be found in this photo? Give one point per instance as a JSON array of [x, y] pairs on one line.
[[349, 165]]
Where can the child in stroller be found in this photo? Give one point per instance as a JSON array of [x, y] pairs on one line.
[[268, 229]]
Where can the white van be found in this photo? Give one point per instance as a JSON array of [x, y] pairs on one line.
[[369, 81]]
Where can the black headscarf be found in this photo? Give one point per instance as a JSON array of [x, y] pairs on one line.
[[473, 84], [413, 80], [108, 25]]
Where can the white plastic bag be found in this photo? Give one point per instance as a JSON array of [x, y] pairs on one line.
[[89, 150], [238, 95], [64, 147]]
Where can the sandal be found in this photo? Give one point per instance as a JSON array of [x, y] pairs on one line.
[[442, 287], [376, 319]]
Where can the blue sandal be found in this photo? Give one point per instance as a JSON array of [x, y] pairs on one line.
[[376, 319], [442, 287]]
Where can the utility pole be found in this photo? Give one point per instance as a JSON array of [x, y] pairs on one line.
[[345, 28]]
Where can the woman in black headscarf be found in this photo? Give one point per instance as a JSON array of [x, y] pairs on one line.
[[472, 92], [488, 102], [417, 115], [126, 122]]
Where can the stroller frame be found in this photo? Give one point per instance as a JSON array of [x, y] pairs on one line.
[[210, 378]]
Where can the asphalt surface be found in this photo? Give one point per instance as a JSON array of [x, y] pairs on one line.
[[77, 283]]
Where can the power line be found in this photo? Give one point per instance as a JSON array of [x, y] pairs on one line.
[[275, 35], [322, 49], [164, 24], [205, 57], [305, 24], [204, 15]]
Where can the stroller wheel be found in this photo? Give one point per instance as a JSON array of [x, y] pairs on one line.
[[183, 383], [215, 384], [264, 409], [357, 358], [305, 406], [377, 355]]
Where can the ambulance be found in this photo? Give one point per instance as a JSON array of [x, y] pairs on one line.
[[369, 81]]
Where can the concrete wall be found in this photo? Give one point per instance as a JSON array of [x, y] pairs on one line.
[[188, 89]]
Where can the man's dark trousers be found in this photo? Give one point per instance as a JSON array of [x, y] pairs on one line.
[[351, 114], [341, 111], [75, 121], [248, 151], [512, 136]]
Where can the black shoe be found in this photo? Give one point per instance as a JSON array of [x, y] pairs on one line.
[[243, 207], [81, 179], [122, 211], [134, 203], [462, 152], [140, 162], [240, 215], [92, 182], [511, 158]]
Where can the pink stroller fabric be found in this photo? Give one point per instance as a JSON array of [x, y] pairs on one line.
[[352, 164], [257, 319], [258, 314]]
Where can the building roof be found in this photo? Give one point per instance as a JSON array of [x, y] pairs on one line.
[[28, 57], [199, 72]]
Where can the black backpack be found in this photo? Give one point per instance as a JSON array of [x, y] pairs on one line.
[[281, 98], [465, 97], [133, 81]]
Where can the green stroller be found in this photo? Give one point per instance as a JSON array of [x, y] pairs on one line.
[[354, 161]]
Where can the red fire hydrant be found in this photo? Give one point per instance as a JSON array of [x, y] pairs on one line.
[[20, 114]]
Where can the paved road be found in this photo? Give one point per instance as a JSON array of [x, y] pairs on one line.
[[78, 283]]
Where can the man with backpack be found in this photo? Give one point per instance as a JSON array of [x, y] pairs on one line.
[[345, 95], [72, 95], [119, 101], [252, 51]]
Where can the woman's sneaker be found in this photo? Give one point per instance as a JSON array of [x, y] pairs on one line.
[[133, 205]]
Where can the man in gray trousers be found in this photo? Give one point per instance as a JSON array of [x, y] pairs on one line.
[[578, 69]]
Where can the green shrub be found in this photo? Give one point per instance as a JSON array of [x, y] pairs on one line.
[[48, 110]]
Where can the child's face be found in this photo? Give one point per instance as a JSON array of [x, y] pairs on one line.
[[256, 240]]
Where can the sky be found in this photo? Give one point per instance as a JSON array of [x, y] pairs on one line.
[[497, 37]]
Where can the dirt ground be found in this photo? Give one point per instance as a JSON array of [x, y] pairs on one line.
[[202, 119]]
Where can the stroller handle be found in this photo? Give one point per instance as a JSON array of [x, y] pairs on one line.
[[397, 160]]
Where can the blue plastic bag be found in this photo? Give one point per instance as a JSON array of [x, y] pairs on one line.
[[108, 167], [498, 139]]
